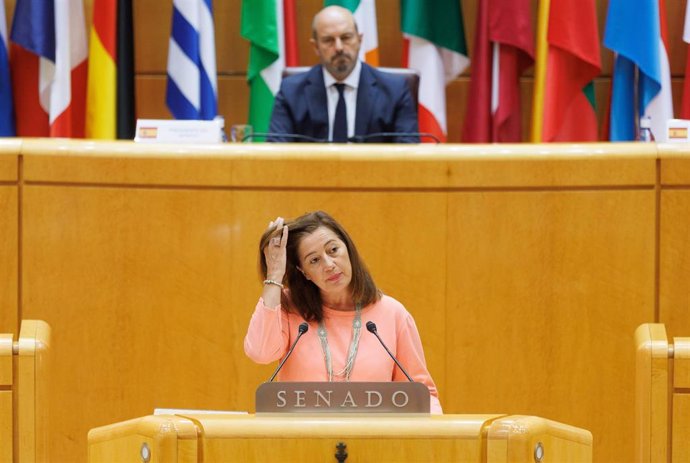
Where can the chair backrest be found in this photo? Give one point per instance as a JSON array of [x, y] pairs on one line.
[[411, 76]]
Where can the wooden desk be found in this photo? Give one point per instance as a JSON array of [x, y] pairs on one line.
[[292, 438]]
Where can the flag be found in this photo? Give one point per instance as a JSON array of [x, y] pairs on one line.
[[48, 59], [265, 24], [641, 75], [192, 89], [685, 109], [503, 50], [6, 106], [571, 60], [434, 45], [364, 12], [110, 89]]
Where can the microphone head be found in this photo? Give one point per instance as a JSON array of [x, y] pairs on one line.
[[303, 327], [371, 327]]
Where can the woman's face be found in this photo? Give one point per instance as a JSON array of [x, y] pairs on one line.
[[323, 259]]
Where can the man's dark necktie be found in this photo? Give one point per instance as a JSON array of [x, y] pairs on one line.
[[340, 120]]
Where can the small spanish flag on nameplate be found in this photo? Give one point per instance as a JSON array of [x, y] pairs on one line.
[[678, 130]]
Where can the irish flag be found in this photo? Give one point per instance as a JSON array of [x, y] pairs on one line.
[[434, 45], [263, 23], [48, 59], [364, 12], [567, 63], [110, 90]]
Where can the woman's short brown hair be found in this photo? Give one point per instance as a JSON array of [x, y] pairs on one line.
[[305, 296]]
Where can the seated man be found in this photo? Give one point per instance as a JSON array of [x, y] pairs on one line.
[[342, 97]]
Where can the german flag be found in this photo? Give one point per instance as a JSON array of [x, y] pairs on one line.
[[110, 90]]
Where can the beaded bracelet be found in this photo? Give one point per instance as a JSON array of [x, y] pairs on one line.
[[273, 282]]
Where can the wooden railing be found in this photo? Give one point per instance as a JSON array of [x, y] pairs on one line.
[[24, 375], [662, 396]]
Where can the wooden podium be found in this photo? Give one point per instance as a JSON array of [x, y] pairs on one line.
[[198, 437]]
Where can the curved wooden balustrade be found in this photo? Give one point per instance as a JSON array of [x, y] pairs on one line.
[[24, 394]]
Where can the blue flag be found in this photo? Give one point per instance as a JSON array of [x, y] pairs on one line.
[[633, 33], [192, 89], [6, 105]]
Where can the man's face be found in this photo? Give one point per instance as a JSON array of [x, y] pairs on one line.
[[337, 43]]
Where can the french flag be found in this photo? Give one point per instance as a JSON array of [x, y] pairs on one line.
[[48, 58]]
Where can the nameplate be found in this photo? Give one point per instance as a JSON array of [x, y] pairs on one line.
[[342, 397], [178, 131]]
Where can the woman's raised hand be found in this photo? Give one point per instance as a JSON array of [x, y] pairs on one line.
[[275, 252]]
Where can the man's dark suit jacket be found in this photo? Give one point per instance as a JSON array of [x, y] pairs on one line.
[[384, 104]]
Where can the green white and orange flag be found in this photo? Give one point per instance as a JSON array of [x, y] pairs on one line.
[[434, 45], [567, 62], [110, 87], [364, 12], [269, 27]]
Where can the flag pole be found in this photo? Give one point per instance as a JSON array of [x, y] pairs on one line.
[[540, 71]]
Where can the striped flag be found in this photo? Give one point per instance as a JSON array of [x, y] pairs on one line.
[[265, 24], [640, 73], [434, 45], [192, 89], [567, 62], [48, 59], [110, 90], [685, 109], [503, 49], [6, 106], [364, 12]]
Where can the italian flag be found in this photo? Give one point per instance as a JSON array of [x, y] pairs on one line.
[[269, 27], [364, 12], [567, 62], [434, 45]]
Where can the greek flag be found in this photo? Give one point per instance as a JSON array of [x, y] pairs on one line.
[[192, 90]]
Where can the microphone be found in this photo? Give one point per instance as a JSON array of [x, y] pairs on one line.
[[371, 327], [290, 136], [387, 135], [303, 328]]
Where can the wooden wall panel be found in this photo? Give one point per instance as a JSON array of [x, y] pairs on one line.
[[674, 262], [135, 284], [8, 259], [537, 284]]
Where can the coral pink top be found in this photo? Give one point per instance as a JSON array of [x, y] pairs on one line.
[[273, 330]]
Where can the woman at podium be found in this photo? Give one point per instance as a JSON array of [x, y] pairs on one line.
[[316, 306]]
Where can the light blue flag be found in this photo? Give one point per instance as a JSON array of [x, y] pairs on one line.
[[6, 106], [192, 89], [632, 32]]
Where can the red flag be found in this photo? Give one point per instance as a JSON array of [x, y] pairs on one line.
[[685, 108], [572, 64], [503, 50], [290, 33]]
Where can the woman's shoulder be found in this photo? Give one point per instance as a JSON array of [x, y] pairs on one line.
[[391, 305]]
